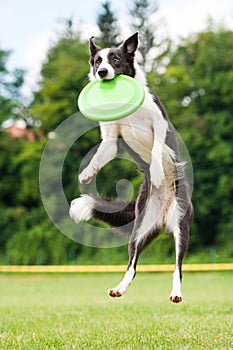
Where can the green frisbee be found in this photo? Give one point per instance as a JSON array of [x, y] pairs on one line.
[[113, 99]]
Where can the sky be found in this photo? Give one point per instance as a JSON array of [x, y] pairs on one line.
[[27, 27]]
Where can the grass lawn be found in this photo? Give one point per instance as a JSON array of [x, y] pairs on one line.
[[73, 311]]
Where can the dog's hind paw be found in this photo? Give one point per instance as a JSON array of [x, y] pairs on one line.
[[175, 299], [114, 293]]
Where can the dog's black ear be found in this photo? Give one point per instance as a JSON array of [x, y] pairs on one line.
[[130, 45], [93, 47]]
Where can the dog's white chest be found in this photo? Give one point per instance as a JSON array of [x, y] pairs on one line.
[[138, 134], [139, 129]]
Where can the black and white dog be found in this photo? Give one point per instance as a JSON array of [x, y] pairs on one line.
[[149, 137]]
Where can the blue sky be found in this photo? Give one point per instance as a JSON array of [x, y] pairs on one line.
[[27, 27]]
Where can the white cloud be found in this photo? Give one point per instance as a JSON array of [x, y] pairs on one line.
[[33, 57], [185, 17]]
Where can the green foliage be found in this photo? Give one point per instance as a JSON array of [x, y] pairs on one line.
[[141, 14], [10, 83], [196, 92], [63, 76], [108, 26], [41, 244], [154, 44]]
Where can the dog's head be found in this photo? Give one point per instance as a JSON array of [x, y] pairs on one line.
[[107, 63]]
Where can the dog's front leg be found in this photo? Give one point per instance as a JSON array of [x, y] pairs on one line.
[[156, 166], [106, 152]]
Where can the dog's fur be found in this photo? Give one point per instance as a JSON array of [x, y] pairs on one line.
[[149, 137]]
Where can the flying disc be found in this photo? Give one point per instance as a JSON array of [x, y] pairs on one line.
[[113, 99]]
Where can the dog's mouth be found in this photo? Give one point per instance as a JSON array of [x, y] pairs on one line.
[[105, 79], [105, 74]]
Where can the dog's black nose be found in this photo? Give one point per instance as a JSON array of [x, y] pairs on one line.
[[102, 72]]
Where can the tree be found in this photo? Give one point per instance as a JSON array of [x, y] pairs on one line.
[[10, 84], [154, 45], [108, 26], [197, 91], [25, 220], [63, 76]]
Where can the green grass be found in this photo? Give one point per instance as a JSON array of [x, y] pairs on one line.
[[74, 312]]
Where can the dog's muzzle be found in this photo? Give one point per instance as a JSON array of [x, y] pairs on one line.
[[103, 72]]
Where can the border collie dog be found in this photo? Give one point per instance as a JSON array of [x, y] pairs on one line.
[[148, 136]]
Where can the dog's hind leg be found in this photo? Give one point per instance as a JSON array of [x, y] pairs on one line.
[[121, 288], [176, 294], [136, 246], [181, 238], [144, 232]]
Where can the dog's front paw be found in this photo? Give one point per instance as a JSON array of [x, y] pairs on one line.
[[87, 174], [156, 176], [85, 178]]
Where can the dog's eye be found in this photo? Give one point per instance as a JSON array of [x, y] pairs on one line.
[[97, 62], [116, 60]]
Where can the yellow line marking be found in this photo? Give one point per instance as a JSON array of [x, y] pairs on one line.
[[113, 268]]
